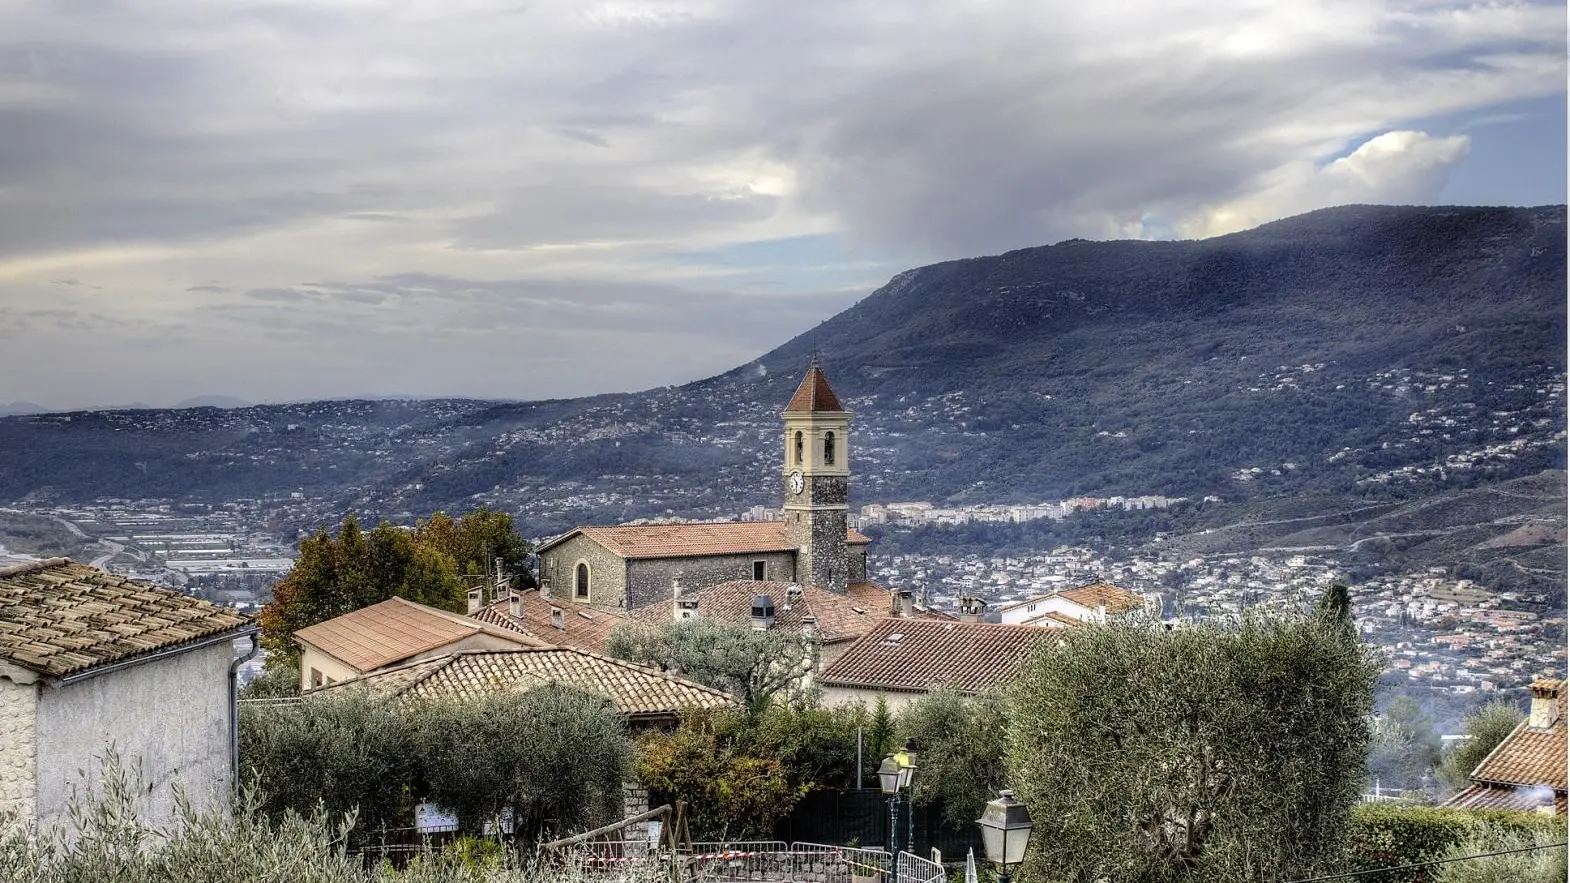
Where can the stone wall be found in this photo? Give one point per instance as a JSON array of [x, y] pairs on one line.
[[607, 573], [18, 749], [651, 578], [167, 719]]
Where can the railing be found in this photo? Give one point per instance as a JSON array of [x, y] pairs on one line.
[[738, 860], [915, 869], [822, 863]]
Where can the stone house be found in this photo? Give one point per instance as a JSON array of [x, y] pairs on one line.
[[900, 660], [1526, 771], [1069, 607], [89, 662], [392, 632]]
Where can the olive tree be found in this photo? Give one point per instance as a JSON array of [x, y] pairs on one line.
[[1485, 729], [752, 665], [1225, 750], [961, 739]]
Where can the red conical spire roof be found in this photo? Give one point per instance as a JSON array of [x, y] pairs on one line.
[[813, 394]]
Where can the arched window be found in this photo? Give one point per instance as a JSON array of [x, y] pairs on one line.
[[580, 587], [828, 449], [796, 460]]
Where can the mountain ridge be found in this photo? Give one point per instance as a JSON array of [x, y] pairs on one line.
[[1314, 351]]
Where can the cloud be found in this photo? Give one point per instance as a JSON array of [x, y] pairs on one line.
[[1393, 168], [592, 161]]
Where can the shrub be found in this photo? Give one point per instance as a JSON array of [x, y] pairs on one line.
[[1538, 866], [730, 794], [1386, 836], [961, 757]]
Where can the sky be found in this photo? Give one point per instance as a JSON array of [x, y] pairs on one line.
[[294, 200]]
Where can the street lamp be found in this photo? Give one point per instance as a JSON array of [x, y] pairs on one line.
[[1005, 829], [895, 774]]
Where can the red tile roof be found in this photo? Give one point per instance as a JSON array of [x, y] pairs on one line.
[[917, 655], [1091, 595], [693, 540], [397, 629], [635, 690], [582, 626], [1529, 755], [1516, 797], [814, 395], [60, 618]]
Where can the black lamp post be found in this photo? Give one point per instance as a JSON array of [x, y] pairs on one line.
[[1005, 830], [894, 777], [906, 758]]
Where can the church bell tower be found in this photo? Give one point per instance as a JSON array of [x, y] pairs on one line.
[[817, 482]]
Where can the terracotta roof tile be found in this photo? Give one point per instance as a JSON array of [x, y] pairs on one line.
[[397, 629], [1529, 755], [692, 540], [59, 618], [635, 690], [1091, 595], [582, 627], [1516, 797], [814, 395], [915, 654]]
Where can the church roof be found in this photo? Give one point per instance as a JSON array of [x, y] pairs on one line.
[[814, 394], [693, 540]]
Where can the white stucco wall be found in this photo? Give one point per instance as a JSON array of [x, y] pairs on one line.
[[834, 697], [168, 717], [18, 749]]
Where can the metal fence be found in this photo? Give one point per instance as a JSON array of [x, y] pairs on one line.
[[915, 869]]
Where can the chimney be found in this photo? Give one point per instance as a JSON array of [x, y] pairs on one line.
[[515, 605], [762, 613], [476, 599], [683, 607], [904, 603], [970, 608], [558, 619], [1545, 703], [793, 595], [809, 627]]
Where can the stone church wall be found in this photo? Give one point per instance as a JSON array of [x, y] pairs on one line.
[[607, 572], [651, 577]]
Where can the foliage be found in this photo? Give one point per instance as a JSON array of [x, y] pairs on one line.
[[730, 793], [754, 666], [1537, 866], [344, 750], [1391, 835], [557, 756], [243, 843], [1486, 728], [279, 680], [476, 540], [960, 766], [816, 746], [1405, 748], [879, 740], [433, 565], [1220, 750]]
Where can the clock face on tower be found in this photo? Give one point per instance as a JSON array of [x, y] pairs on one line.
[[797, 482]]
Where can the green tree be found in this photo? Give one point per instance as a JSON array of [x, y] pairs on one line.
[[337, 574], [1485, 729], [1405, 746], [1224, 750], [752, 665], [960, 766], [556, 756], [730, 793], [879, 740], [476, 540], [1336, 604], [345, 750]]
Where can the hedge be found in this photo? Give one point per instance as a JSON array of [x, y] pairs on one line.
[[1387, 836]]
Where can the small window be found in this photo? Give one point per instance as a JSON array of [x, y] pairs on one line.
[[580, 587], [797, 453], [316, 679], [828, 449], [760, 570]]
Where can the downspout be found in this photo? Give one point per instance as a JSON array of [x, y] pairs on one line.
[[234, 708]]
